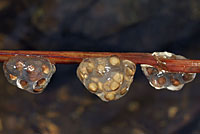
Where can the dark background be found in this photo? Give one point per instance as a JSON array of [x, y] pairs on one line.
[[66, 107]]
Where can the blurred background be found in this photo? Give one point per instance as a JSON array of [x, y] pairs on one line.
[[66, 107]]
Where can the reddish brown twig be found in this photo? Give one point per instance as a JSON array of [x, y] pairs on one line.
[[67, 57]]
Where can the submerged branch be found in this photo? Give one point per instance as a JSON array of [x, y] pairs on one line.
[[69, 57]]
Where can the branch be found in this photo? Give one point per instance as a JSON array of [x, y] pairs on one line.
[[68, 57]]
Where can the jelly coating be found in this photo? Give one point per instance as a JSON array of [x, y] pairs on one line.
[[160, 79], [107, 77], [29, 73]]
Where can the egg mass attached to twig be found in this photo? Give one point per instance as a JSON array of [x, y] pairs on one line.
[[107, 77], [160, 78], [29, 73]]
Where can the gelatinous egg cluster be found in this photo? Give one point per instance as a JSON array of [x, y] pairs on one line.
[[107, 77], [29, 73], [161, 79]]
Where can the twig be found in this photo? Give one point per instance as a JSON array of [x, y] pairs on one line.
[[67, 57]]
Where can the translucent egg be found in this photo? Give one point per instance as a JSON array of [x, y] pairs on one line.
[[29, 73], [161, 79], [107, 77]]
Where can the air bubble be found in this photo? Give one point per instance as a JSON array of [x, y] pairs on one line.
[[29, 73], [107, 77], [160, 79]]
